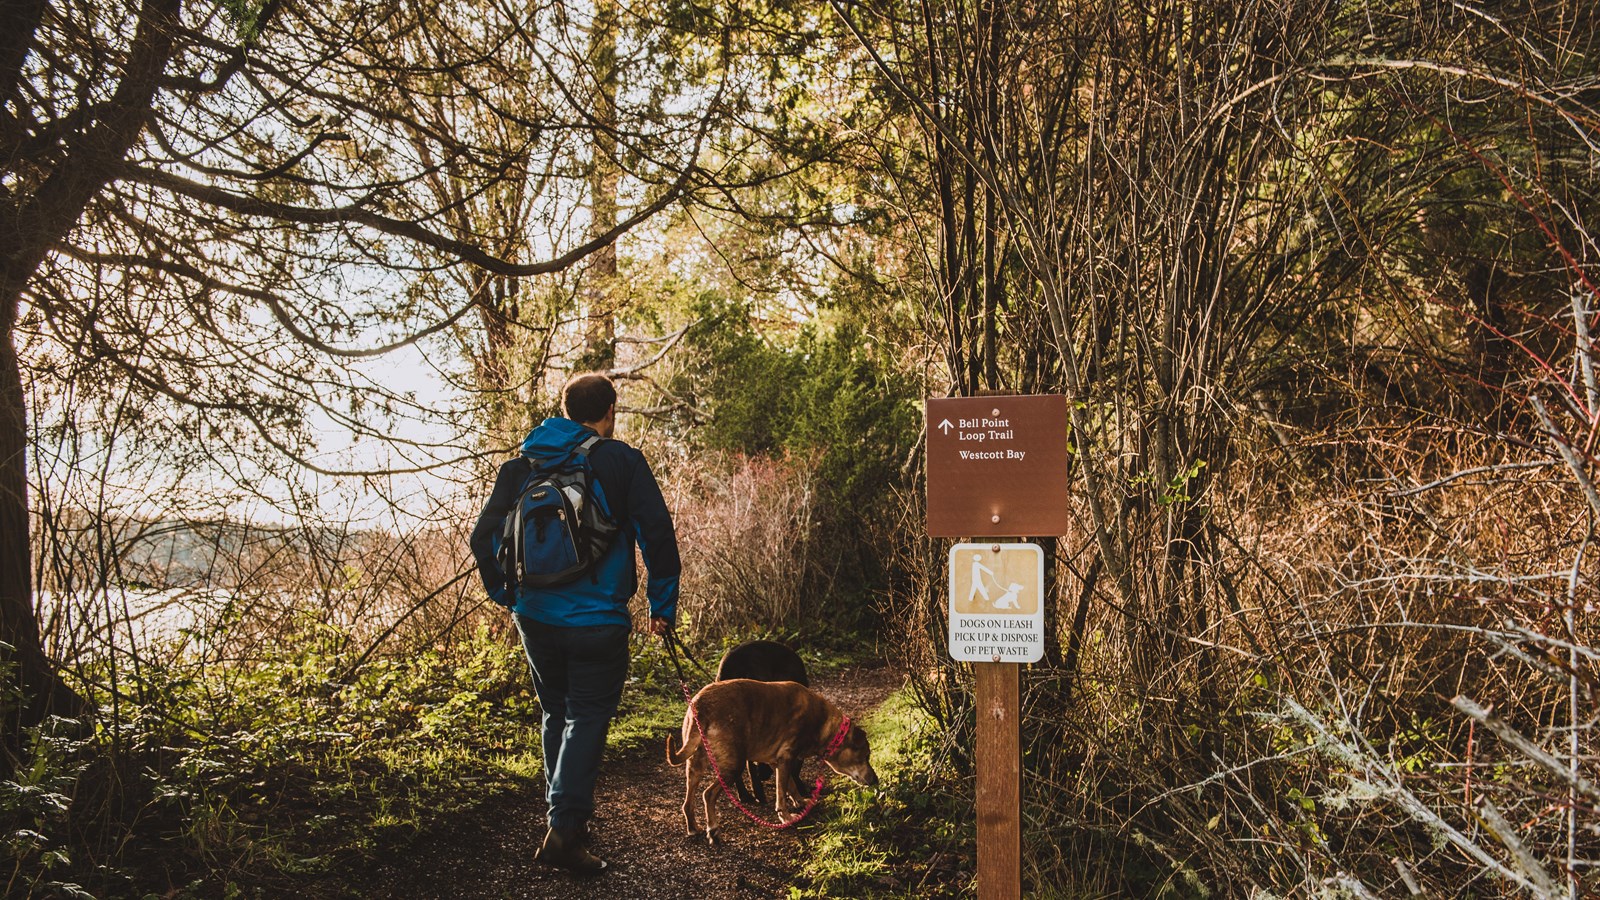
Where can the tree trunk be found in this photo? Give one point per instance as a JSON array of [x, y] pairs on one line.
[[600, 336], [30, 688], [30, 228]]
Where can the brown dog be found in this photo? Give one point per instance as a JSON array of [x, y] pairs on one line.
[[763, 661], [773, 722]]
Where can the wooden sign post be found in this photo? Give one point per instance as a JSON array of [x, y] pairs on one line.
[[997, 467], [999, 765], [996, 621]]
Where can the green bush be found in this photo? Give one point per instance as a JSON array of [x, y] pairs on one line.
[[823, 395], [34, 814]]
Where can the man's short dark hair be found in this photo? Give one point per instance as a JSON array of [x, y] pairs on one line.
[[587, 397]]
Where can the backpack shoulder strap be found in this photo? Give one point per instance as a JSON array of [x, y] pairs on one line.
[[580, 453]]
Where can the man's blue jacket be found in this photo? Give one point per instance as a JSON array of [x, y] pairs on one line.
[[601, 596]]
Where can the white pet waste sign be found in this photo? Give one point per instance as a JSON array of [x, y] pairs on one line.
[[996, 602]]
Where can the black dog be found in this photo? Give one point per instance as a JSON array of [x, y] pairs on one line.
[[763, 661]]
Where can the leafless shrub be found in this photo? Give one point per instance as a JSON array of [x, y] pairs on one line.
[[1341, 756], [745, 531]]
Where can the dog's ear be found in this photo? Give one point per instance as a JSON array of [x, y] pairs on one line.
[[858, 738]]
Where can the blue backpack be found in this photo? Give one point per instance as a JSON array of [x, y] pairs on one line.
[[561, 524]]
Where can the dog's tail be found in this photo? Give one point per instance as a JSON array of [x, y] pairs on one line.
[[679, 756], [691, 743]]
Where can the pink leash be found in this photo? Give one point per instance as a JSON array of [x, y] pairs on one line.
[[816, 792]]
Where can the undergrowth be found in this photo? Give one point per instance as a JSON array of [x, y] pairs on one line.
[[277, 775], [256, 779], [911, 837]]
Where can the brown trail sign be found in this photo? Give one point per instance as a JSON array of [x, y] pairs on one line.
[[997, 466]]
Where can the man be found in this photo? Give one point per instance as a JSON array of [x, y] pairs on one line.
[[576, 635]]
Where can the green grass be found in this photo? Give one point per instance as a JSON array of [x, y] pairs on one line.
[[883, 842], [652, 703], [242, 779]]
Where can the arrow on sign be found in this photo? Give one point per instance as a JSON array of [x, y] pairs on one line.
[[945, 427]]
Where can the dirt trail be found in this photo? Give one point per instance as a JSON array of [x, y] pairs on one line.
[[639, 830]]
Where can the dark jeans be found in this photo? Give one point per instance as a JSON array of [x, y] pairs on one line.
[[578, 674]]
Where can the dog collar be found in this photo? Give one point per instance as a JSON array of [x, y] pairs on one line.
[[838, 739]]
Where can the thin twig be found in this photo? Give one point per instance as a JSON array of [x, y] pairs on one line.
[[1528, 748]]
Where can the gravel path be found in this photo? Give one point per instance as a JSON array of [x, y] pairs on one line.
[[638, 829]]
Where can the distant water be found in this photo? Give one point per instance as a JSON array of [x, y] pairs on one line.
[[129, 618]]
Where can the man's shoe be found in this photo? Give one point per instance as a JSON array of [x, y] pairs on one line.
[[562, 849]]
